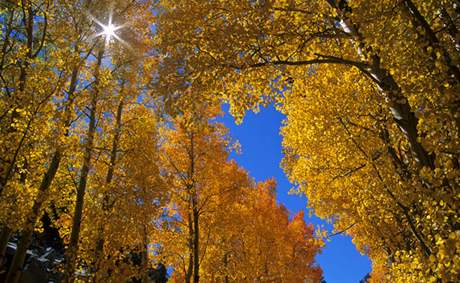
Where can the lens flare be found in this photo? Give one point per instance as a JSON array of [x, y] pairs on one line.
[[109, 30]]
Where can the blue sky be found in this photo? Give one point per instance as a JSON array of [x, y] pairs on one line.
[[261, 155]]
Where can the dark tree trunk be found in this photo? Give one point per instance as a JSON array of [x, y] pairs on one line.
[[72, 251], [196, 246], [430, 36], [26, 236], [399, 105], [106, 205], [188, 273], [4, 238]]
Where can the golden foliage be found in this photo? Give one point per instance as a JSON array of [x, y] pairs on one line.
[[370, 93], [128, 173]]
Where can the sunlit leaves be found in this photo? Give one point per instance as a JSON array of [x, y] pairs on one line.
[[370, 94]]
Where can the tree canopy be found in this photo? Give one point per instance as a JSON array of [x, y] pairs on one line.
[[112, 159]]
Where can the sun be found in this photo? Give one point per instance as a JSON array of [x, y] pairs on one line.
[[108, 30]]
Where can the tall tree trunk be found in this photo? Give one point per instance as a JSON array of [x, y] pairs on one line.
[[106, 205], [145, 255], [188, 273], [191, 214], [424, 30], [28, 21], [26, 236], [28, 24], [401, 111], [397, 102], [196, 240], [430, 36], [195, 213], [4, 238], [72, 251], [28, 18], [226, 278]]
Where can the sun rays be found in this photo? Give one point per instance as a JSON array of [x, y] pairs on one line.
[[109, 30]]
